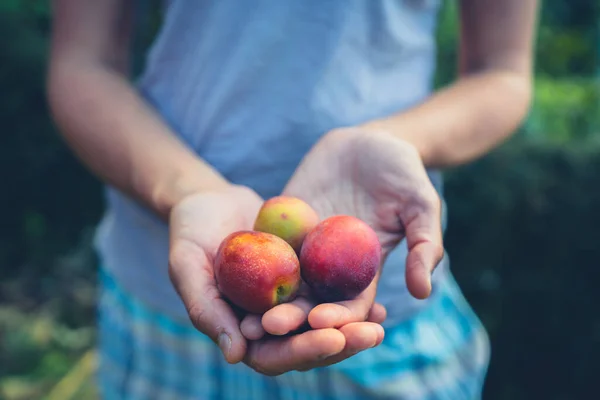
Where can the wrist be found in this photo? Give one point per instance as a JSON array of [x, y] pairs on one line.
[[400, 127], [178, 185]]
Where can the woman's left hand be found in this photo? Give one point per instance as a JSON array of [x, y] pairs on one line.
[[380, 179]]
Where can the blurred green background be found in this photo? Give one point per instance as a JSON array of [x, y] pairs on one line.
[[523, 232]]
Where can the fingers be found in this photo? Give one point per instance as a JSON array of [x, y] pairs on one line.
[[289, 317], [420, 263], [251, 327], [424, 240], [335, 315], [359, 336], [285, 318], [312, 349], [191, 275], [378, 314], [275, 356]]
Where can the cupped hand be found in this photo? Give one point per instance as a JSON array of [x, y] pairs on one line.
[[197, 226], [380, 179]]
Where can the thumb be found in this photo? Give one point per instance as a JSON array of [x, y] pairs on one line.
[[192, 276], [425, 248]]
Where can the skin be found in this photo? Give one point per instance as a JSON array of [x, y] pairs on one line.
[[481, 109], [456, 125], [371, 176], [256, 270], [100, 116], [199, 224]]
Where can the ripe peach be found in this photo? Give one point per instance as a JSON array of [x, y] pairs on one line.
[[287, 217], [340, 258], [256, 270]]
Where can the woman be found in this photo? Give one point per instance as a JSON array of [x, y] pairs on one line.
[[329, 101]]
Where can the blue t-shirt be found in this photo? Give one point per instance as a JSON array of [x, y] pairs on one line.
[[250, 86]]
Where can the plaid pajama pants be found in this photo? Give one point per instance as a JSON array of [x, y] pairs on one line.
[[440, 353]]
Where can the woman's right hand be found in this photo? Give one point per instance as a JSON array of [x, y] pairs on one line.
[[198, 224]]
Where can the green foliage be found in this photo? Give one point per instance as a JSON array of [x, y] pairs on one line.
[[566, 52], [37, 171], [447, 42], [523, 244], [565, 110], [568, 38], [567, 42], [566, 104], [36, 350], [523, 219]]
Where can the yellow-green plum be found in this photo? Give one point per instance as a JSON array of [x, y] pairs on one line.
[[256, 271], [340, 258], [287, 217]]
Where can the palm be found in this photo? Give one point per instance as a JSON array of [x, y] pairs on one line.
[[380, 180], [370, 177], [203, 220], [197, 226]]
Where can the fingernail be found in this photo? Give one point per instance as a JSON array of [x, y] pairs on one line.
[[224, 343], [380, 332]]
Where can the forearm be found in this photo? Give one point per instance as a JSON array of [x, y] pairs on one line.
[[465, 120], [121, 140]]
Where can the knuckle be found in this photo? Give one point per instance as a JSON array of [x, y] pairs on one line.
[[439, 252], [431, 201], [362, 313], [429, 206], [172, 275], [197, 314], [183, 254], [425, 201], [177, 257]]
